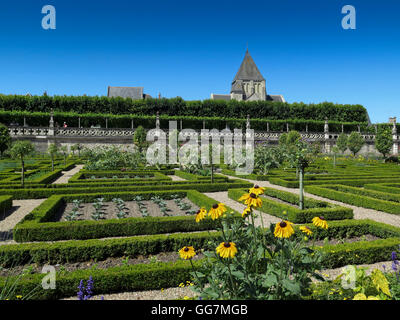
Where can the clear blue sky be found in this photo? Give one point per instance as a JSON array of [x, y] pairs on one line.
[[194, 48]]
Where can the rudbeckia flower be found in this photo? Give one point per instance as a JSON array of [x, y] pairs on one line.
[[257, 190], [217, 210], [246, 212], [200, 214], [283, 229], [187, 253], [306, 230], [227, 249], [251, 199], [320, 222]]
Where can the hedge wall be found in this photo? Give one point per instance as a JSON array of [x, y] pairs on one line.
[[312, 209], [37, 225]]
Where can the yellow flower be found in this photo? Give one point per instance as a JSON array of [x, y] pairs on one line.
[[187, 253], [186, 298], [257, 190], [19, 297], [251, 199], [306, 230], [227, 249], [200, 215], [320, 222], [283, 229], [362, 296], [246, 212], [217, 210]]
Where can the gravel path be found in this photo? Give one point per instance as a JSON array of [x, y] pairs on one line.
[[176, 178], [359, 212], [19, 210], [68, 174]]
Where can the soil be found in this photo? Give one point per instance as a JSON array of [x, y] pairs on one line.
[[108, 263], [110, 210], [366, 237]]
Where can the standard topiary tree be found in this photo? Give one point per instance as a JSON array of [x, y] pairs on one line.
[[384, 141], [20, 150], [335, 150], [64, 151], [355, 142], [52, 151], [139, 138], [5, 139], [293, 137], [341, 142]]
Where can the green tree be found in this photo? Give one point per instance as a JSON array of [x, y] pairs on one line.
[[64, 151], [300, 155], [52, 151], [283, 139], [293, 137], [384, 141], [20, 150], [335, 151], [341, 142], [355, 142], [5, 139], [139, 138]]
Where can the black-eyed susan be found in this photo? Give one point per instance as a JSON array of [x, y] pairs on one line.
[[217, 210], [201, 214], [306, 230], [246, 212], [251, 199], [227, 250], [283, 229], [187, 253], [320, 222], [257, 190]]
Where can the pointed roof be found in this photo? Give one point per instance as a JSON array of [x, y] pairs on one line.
[[248, 70]]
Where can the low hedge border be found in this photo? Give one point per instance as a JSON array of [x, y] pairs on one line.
[[359, 182], [191, 176], [40, 193], [5, 203], [384, 187], [312, 207], [163, 275], [351, 197], [111, 280], [80, 177], [258, 177], [36, 226]]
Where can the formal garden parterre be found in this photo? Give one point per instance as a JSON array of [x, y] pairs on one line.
[[132, 227]]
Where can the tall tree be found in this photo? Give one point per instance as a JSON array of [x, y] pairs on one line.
[[5, 139], [355, 142], [341, 142], [139, 138], [384, 141], [20, 150], [52, 151]]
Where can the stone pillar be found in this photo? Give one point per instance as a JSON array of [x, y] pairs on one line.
[[395, 140], [326, 137], [132, 124], [204, 124], [376, 129], [106, 123], [307, 128], [358, 128], [79, 122], [267, 126], [248, 122], [158, 121], [342, 128], [326, 126], [51, 124], [287, 127]]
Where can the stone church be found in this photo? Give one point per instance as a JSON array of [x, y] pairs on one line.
[[248, 84]]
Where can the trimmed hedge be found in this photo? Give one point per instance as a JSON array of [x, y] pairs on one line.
[[80, 177], [312, 207], [111, 280], [5, 203], [36, 226], [350, 196], [40, 193]]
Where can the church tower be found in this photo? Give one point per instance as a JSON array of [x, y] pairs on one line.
[[248, 84]]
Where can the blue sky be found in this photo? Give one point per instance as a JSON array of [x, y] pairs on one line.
[[194, 48]]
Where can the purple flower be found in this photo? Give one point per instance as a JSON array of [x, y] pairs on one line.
[[394, 266], [384, 267], [394, 256], [89, 287], [81, 292]]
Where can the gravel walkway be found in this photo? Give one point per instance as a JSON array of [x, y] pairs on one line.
[[68, 174], [19, 210], [176, 178], [359, 212]]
